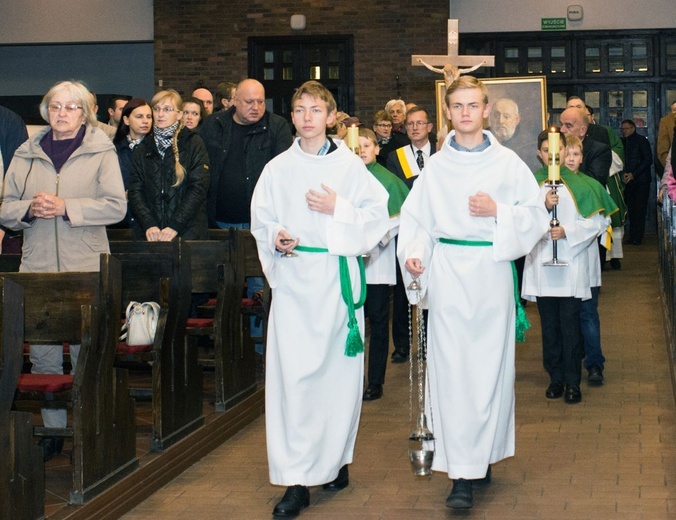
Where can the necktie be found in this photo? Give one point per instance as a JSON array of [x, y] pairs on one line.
[[420, 160]]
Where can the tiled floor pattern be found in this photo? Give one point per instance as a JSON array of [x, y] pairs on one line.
[[612, 456]]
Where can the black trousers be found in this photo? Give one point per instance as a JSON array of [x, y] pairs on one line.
[[562, 348], [377, 310], [400, 315], [636, 196]]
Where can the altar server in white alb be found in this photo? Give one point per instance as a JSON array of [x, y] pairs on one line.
[[318, 200], [473, 210]]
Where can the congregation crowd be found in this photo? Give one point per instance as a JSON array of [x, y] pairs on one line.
[[347, 215]]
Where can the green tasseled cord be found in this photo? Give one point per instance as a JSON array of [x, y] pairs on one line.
[[521, 321], [354, 344]]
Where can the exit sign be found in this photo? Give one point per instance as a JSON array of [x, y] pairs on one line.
[[553, 24]]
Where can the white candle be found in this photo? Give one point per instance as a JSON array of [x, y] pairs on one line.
[[352, 138], [554, 167]]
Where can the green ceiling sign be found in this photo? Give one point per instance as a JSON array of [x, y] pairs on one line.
[[553, 24]]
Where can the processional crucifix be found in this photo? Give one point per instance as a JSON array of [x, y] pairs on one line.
[[452, 61], [449, 65]]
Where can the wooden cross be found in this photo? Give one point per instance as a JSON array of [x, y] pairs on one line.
[[452, 61]]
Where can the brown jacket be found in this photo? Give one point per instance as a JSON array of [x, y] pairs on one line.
[[90, 182], [665, 136]]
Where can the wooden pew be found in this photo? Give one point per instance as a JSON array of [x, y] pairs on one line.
[[83, 307], [239, 357], [160, 271], [22, 474], [222, 269]]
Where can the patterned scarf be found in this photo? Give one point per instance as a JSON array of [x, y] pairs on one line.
[[164, 136]]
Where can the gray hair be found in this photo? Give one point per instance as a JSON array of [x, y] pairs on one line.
[[80, 95]]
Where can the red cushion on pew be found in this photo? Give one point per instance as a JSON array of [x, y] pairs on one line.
[[211, 302], [200, 323], [123, 348], [44, 382], [27, 348]]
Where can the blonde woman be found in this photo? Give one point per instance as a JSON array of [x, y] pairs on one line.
[[169, 176]]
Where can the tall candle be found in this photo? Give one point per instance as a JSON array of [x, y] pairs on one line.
[[352, 138], [554, 167]]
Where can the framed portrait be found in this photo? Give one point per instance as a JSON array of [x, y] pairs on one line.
[[518, 113]]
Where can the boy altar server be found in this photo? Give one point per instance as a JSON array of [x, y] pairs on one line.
[[472, 211], [582, 207], [318, 200]]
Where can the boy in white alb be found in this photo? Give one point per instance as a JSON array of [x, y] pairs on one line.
[[559, 290], [471, 212], [318, 200]]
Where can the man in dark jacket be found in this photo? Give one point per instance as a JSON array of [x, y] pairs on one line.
[[240, 141], [597, 156], [637, 177]]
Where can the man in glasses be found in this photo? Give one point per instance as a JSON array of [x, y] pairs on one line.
[[408, 161]]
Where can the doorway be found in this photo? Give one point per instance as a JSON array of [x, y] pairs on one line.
[[282, 64]]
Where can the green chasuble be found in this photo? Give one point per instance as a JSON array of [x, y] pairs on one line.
[[589, 196], [396, 188]]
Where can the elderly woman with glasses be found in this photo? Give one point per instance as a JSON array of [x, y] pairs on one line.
[[62, 188], [169, 177], [382, 126]]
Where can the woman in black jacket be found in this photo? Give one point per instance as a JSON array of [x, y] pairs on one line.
[[169, 177], [136, 122]]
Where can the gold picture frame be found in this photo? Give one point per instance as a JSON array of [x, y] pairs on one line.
[[530, 96]]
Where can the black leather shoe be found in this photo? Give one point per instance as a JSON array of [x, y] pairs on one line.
[[293, 502], [461, 495], [50, 447], [399, 356], [595, 376], [373, 392], [340, 482], [615, 264], [554, 391], [573, 394], [480, 482]]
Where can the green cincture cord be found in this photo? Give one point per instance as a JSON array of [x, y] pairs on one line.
[[354, 344], [522, 323]]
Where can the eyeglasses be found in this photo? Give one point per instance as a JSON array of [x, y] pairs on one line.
[[412, 124], [56, 107], [383, 125], [163, 109]]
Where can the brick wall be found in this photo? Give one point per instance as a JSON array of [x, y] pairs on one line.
[[205, 42]]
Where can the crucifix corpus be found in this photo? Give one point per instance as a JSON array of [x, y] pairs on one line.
[[452, 61]]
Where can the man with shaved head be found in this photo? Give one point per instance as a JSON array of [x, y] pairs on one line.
[[240, 141], [206, 97], [597, 156], [595, 132]]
